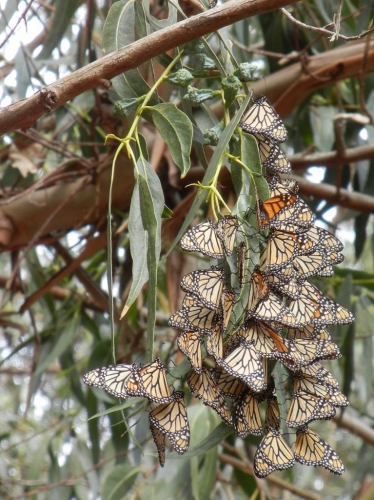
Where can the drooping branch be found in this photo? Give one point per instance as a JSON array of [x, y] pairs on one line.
[[24, 113]]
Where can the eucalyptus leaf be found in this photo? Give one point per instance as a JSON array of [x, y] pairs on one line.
[[176, 130], [119, 481]]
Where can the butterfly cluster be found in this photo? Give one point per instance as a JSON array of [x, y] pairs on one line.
[[168, 416], [234, 332], [284, 317]]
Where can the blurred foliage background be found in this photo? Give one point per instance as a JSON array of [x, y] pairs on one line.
[[54, 281]]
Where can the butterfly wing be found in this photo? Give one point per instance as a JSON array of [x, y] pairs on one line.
[[203, 238], [149, 382], [263, 119], [159, 439], [171, 419], [93, 378], [207, 286], [190, 344], [273, 453], [311, 449]]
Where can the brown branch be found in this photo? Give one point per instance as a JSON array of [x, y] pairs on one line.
[[291, 86], [356, 426], [333, 34], [93, 245], [27, 212], [343, 197], [21, 17], [330, 159], [24, 113]]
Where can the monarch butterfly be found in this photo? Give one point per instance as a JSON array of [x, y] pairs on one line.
[[227, 304], [310, 384], [241, 253], [205, 285], [319, 373], [149, 382], [93, 378], [159, 439], [312, 331], [304, 308], [308, 265], [203, 387], [311, 449], [245, 363], [266, 341], [331, 313], [325, 272], [212, 3], [271, 156], [203, 238], [268, 210], [114, 379], [263, 119], [273, 453], [305, 351], [272, 414], [273, 310], [286, 212], [190, 344], [285, 286], [281, 248], [322, 239], [171, 419], [278, 186], [228, 385], [306, 407], [193, 316], [226, 230], [214, 345], [258, 289], [247, 415]]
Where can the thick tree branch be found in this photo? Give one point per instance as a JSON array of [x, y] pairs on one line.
[[330, 159], [343, 197], [24, 113], [289, 87]]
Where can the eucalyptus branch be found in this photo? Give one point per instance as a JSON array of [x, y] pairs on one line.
[[24, 113], [333, 34]]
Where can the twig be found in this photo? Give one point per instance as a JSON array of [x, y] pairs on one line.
[[361, 78], [329, 159], [22, 17], [337, 20], [324, 30]]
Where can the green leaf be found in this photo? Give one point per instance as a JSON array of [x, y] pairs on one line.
[[176, 130], [61, 21], [158, 24], [119, 31], [207, 474], [248, 187], [63, 342], [151, 204], [119, 481], [138, 248], [322, 121]]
